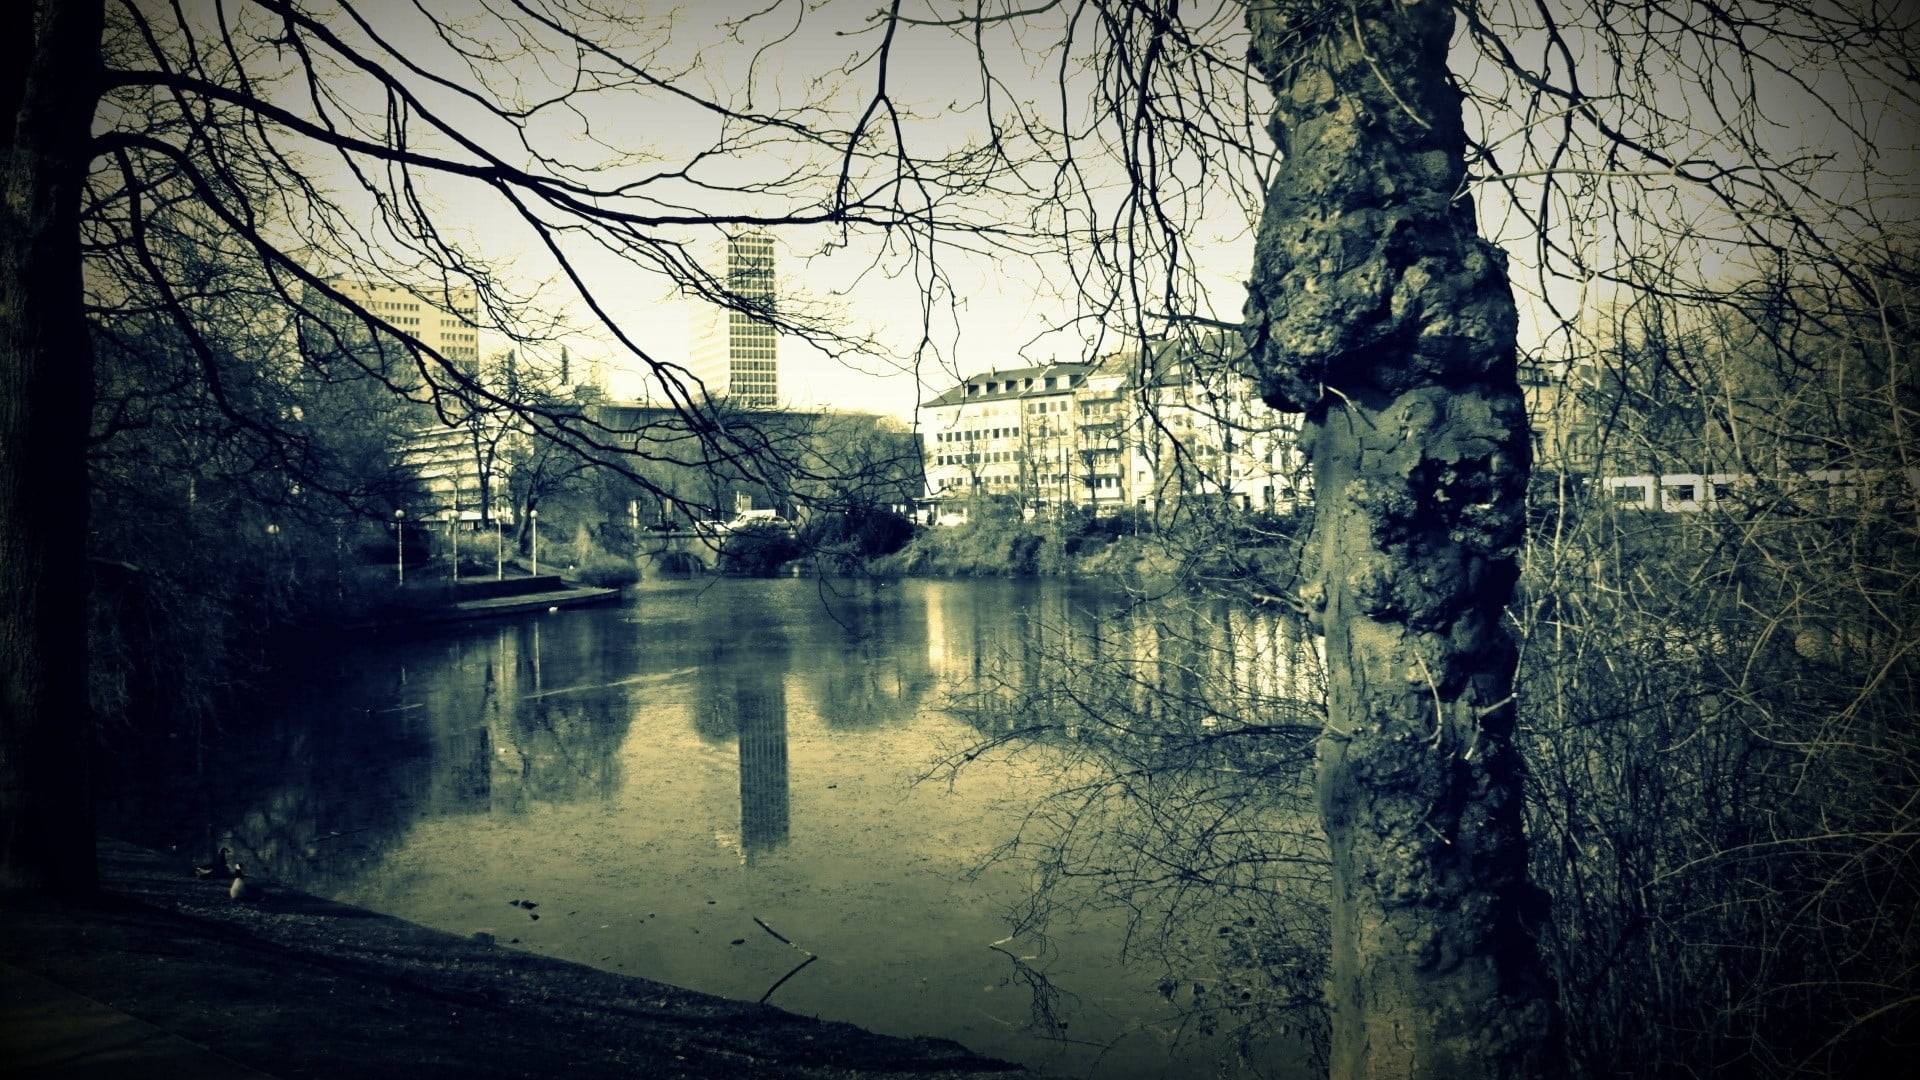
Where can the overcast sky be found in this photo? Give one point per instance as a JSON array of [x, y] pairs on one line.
[[676, 156]]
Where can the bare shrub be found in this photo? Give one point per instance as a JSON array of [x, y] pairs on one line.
[[1720, 695]]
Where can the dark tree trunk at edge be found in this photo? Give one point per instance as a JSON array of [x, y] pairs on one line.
[[46, 385], [1377, 310]]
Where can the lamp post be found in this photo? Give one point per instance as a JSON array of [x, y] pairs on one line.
[[534, 517], [453, 537], [400, 546], [499, 548]]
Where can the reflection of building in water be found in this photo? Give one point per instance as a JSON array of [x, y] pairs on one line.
[[744, 695], [952, 610], [883, 671], [506, 739], [762, 716]]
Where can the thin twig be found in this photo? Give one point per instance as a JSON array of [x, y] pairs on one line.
[[795, 970]]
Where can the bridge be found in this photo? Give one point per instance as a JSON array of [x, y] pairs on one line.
[[678, 552]]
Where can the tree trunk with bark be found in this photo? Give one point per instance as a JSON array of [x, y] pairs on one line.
[[1376, 309], [46, 389]]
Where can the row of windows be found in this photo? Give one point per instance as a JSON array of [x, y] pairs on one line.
[[976, 433], [975, 459], [1103, 483]]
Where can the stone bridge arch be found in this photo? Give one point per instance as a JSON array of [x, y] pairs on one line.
[[676, 553]]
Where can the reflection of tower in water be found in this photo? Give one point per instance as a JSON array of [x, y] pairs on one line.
[[760, 710], [744, 695]]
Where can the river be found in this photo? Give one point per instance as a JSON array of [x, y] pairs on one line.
[[720, 778]]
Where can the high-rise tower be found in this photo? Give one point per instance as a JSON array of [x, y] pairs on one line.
[[735, 353]]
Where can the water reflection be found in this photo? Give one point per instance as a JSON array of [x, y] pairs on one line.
[[882, 668], [594, 757], [743, 696]]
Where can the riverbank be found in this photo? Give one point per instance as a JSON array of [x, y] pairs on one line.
[[294, 985], [1131, 546]]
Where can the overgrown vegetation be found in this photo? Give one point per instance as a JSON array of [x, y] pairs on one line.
[[1190, 545], [1716, 691], [1720, 696]]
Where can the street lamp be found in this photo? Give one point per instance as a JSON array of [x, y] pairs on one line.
[[534, 517], [453, 538], [400, 546], [499, 546]]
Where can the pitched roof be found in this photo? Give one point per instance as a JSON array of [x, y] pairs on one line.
[[1013, 384]]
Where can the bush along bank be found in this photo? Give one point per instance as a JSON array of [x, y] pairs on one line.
[[1191, 547]]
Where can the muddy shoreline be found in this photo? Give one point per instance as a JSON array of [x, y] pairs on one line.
[[294, 985]]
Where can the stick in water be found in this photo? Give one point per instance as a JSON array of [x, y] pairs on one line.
[[796, 968]]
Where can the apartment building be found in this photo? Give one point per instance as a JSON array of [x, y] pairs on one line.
[[1007, 432], [448, 326], [1198, 429], [1143, 426]]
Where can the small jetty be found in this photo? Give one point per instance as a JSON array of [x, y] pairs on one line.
[[454, 602], [511, 596]]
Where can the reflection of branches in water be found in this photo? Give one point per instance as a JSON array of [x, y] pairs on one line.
[[1045, 1009], [1046, 1000], [1181, 735]]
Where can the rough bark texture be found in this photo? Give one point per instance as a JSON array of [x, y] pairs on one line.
[[46, 380], [1377, 310]]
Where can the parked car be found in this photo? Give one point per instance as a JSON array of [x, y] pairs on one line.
[[763, 519]]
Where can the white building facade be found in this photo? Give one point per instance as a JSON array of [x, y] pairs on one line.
[[1143, 427], [1005, 433], [445, 324]]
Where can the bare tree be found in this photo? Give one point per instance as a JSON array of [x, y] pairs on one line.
[[1377, 309], [46, 387], [240, 110]]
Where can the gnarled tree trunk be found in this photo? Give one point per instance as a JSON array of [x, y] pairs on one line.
[[46, 382], [1377, 310]]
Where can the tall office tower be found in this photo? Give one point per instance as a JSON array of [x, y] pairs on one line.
[[735, 354]]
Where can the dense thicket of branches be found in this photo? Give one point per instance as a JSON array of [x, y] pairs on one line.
[[1721, 693]]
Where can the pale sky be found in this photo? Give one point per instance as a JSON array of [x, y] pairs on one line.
[[1000, 311]]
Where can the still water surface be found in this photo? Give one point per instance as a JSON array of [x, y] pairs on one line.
[[657, 776]]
